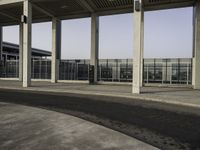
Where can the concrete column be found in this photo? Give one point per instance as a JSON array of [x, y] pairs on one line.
[[142, 54], [27, 34], [21, 52], [1, 42], [138, 47], [94, 44], [56, 49], [196, 48]]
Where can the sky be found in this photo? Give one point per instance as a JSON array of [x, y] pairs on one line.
[[167, 34]]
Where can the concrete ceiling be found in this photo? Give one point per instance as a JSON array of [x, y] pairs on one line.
[[44, 10]]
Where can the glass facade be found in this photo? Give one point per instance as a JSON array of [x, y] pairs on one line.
[[162, 71]]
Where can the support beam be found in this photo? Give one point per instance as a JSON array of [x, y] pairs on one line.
[[56, 49], [138, 47], [43, 11], [94, 44], [196, 52], [27, 34], [1, 42], [21, 52], [85, 5], [6, 14], [5, 2]]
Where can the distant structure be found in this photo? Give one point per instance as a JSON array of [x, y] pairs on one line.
[[11, 52]]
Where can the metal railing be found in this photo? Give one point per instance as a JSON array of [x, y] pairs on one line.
[[41, 68], [163, 71], [168, 71]]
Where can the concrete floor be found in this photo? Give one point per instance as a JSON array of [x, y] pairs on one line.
[[28, 128], [155, 121], [185, 96]]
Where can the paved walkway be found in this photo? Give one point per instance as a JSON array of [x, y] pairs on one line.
[[29, 128], [177, 95]]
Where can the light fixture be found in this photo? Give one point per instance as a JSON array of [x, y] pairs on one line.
[[23, 19], [137, 5], [64, 7]]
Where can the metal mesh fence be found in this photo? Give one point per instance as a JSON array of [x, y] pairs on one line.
[[9, 69], [163, 71], [168, 71], [41, 68], [74, 70]]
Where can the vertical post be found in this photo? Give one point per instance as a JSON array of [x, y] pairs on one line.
[[147, 73], [94, 44], [56, 49], [40, 67], [33, 68], [163, 72], [1, 50], [21, 52], [187, 73], [171, 70], [46, 68], [16, 67], [27, 34], [196, 47], [138, 46], [1, 42]]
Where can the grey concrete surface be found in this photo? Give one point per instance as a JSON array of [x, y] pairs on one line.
[[28, 128], [185, 96]]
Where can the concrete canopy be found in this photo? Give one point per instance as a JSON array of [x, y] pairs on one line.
[[45, 10]]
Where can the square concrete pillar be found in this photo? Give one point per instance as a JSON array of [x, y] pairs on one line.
[[21, 52], [142, 53], [1, 42], [27, 34], [138, 47], [196, 47], [94, 44], [56, 49]]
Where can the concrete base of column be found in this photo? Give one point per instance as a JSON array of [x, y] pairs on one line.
[[55, 72], [136, 90]]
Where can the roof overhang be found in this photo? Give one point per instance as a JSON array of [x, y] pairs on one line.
[[35, 51], [150, 5], [44, 10]]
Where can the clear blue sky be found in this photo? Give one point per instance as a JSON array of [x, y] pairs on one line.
[[168, 33]]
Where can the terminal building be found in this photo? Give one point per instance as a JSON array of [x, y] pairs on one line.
[[10, 59], [10, 51], [138, 71]]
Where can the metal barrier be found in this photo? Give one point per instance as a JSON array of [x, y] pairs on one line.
[[41, 68], [168, 71], [74, 70], [9, 69], [162, 71]]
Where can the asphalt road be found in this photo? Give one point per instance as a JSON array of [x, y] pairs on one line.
[[165, 126]]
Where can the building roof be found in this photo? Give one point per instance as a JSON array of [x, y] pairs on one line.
[[44, 10], [14, 49]]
